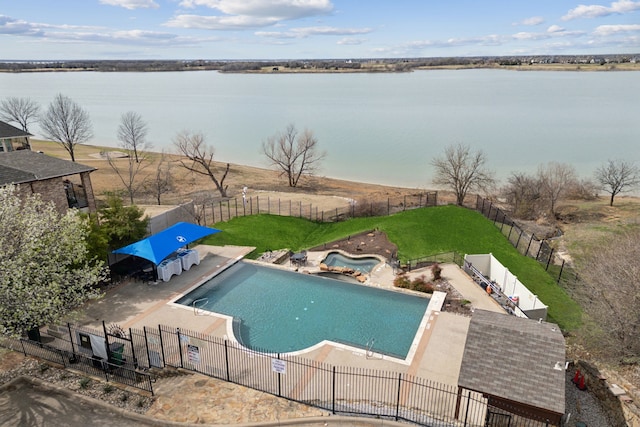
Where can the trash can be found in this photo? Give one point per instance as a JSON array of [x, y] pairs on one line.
[[34, 334]]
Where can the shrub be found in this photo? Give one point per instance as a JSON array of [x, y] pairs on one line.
[[108, 388], [124, 397], [84, 383], [402, 281], [436, 270]]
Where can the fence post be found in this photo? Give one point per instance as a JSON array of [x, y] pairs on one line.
[[226, 359], [398, 397], [25, 351], [560, 274], [258, 204], [146, 343], [269, 205], [279, 381], [164, 361], [466, 412], [300, 209], [213, 213], [106, 341], [278, 206], [180, 347], [73, 350], [333, 392], [133, 350], [236, 201], [526, 253], [549, 259], [539, 249], [519, 237], [229, 210], [250, 205]]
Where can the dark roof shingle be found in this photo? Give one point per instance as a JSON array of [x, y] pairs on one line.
[[8, 131], [517, 359], [22, 166]]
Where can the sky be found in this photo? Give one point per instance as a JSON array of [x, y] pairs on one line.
[[313, 29]]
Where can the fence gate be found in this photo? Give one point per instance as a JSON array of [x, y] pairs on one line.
[[498, 419]]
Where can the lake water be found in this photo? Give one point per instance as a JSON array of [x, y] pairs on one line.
[[378, 128]]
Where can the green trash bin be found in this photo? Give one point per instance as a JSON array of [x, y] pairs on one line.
[[116, 351], [34, 334]]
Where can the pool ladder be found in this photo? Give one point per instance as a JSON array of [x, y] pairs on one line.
[[197, 311], [370, 353]]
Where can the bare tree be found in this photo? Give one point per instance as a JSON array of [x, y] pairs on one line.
[[617, 176], [462, 171], [293, 154], [22, 111], [523, 194], [200, 156], [132, 134], [162, 181], [66, 123], [608, 291], [555, 181]]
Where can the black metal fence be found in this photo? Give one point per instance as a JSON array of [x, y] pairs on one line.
[[340, 390], [224, 210], [110, 371], [426, 261], [527, 244]]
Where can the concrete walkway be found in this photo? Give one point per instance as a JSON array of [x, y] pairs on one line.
[[436, 354]]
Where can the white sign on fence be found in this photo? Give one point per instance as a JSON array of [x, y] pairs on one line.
[[279, 366], [193, 353]]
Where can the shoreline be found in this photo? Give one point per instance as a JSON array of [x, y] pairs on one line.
[[616, 67]]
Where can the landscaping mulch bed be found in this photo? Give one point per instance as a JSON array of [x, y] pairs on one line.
[[370, 242]]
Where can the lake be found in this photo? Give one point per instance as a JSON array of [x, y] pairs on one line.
[[378, 128]]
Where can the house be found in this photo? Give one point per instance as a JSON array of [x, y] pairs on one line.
[[65, 183], [12, 138], [518, 364]]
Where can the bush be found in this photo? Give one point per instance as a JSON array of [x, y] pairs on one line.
[[84, 383], [402, 281], [108, 388], [436, 270], [419, 284]]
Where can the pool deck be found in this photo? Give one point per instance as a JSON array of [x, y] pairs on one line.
[[436, 354]]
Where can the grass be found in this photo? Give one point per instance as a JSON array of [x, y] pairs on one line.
[[417, 233]]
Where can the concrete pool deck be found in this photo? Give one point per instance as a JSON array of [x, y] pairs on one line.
[[437, 352]]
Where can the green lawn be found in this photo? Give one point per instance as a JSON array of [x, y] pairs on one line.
[[417, 233]]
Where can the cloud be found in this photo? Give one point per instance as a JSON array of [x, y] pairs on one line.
[[554, 31], [304, 32], [71, 33], [350, 41], [534, 20], [13, 26], [220, 22], [279, 10], [607, 30], [597, 11], [132, 4]]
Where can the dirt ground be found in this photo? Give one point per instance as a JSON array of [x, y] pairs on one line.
[[325, 193]]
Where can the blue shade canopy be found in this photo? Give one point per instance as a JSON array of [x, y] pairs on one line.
[[157, 247]]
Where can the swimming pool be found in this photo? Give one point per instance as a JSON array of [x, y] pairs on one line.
[[281, 311], [362, 264]]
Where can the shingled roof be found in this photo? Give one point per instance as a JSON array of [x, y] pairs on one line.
[[8, 131], [17, 167], [515, 359]]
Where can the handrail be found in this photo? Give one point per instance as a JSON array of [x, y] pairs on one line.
[[195, 308]]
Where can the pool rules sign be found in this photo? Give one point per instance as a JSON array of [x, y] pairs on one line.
[[279, 366]]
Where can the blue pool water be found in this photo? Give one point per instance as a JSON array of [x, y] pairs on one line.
[[282, 311], [364, 264]]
